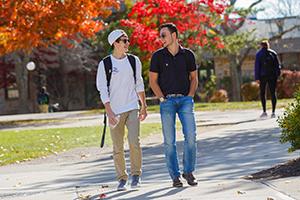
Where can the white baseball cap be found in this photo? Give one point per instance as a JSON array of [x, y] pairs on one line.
[[114, 35]]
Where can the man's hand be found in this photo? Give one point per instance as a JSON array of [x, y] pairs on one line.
[[112, 118], [257, 81], [143, 113]]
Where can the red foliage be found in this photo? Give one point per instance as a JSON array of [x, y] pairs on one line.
[[194, 21], [288, 83]]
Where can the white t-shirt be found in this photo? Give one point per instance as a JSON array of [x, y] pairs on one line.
[[123, 91]]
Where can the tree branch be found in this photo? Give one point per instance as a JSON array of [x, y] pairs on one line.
[[279, 35], [245, 54], [254, 4]]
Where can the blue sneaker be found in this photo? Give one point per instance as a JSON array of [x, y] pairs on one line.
[[135, 182], [122, 185]]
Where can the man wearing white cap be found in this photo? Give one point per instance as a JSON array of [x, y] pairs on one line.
[[121, 87]]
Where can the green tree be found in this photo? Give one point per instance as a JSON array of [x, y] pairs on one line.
[[238, 44]]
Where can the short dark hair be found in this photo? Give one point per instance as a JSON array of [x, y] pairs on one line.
[[170, 26], [117, 40]]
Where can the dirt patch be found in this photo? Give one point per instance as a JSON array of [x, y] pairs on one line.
[[288, 169]]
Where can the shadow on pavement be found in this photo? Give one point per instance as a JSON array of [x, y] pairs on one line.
[[230, 155]]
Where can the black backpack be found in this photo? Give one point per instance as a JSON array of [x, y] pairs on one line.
[[108, 71], [268, 63], [108, 67]]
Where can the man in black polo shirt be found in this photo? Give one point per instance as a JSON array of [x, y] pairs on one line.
[[173, 79]]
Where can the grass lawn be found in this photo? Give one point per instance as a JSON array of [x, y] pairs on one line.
[[18, 146]]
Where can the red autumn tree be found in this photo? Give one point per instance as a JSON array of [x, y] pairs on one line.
[[194, 21], [29, 24]]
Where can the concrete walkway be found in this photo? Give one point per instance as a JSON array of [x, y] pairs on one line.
[[246, 145]]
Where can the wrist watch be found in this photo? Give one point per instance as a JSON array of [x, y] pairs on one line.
[[162, 99]]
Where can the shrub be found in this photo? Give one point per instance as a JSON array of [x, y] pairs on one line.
[[210, 85], [250, 91], [208, 89], [219, 96], [288, 83], [289, 123]]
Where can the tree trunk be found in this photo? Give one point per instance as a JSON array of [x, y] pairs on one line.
[[22, 81], [235, 74]]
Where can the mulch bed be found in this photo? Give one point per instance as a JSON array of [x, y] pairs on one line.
[[288, 169]]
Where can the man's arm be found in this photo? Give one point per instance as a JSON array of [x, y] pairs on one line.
[[139, 87], [257, 68], [143, 109], [101, 84], [278, 66], [153, 80], [193, 83], [110, 114]]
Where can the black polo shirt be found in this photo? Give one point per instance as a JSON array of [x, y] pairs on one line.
[[173, 71]]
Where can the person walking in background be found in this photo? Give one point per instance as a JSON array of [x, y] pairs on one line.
[[267, 71], [43, 99], [120, 83], [173, 79]]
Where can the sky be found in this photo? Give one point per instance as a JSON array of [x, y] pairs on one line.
[[270, 11]]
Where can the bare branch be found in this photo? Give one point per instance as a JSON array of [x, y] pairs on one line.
[[254, 4], [279, 35]]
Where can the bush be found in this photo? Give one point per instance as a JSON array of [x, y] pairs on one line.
[[219, 96], [210, 85], [289, 123], [250, 91], [288, 83], [208, 89]]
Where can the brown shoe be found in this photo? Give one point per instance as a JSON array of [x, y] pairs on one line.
[[177, 182], [191, 180]]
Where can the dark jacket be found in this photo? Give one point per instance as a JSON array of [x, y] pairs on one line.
[[259, 71], [43, 98]]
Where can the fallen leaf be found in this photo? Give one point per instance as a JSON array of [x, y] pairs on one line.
[[241, 192], [18, 184], [84, 197], [102, 196]]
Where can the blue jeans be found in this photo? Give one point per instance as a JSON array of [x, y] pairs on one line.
[[184, 107]]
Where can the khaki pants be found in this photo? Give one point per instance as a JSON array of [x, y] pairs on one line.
[[43, 108], [131, 121]]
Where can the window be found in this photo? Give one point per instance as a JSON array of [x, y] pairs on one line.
[[12, 92]]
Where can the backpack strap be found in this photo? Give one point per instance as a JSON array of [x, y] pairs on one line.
[[108, 69], [132, 62]]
